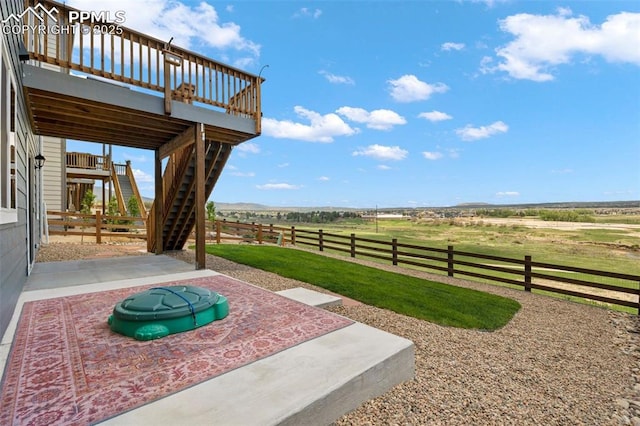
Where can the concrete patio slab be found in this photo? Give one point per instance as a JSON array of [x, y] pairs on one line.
[[313, 383], [77, 272]]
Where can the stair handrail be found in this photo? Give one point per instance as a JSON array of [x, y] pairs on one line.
[[122, 206], [136, 193], [171, 180]]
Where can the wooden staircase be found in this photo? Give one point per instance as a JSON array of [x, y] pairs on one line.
[[179, 188]]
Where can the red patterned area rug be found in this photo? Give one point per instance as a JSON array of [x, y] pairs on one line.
[[67, 367]]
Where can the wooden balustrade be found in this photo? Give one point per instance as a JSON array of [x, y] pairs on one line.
[[112, 51], [81, 160]]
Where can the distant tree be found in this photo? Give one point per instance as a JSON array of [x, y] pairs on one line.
[[112, 210], [132, 207], [211, 211], [87, 202]]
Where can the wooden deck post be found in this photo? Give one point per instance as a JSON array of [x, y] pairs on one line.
[[394, 251], [200, 201], [527, 274], [352, 246], [159, 203]]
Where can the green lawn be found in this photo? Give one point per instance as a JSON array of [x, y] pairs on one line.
[[432, 301]]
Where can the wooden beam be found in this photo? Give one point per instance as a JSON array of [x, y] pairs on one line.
[[159, 203], [199, 204], [183, 140]]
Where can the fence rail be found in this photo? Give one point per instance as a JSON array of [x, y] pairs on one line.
[[614, 287], [95, 225]]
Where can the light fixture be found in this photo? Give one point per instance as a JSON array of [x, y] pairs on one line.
[[172, 58], [262, 69], [40, 161], [23, 53]]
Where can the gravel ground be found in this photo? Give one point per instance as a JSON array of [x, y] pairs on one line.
[[555, 363]]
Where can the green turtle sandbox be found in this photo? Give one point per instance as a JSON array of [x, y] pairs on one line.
[[161, 311]]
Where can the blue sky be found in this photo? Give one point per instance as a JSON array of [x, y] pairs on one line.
[[419, 103]]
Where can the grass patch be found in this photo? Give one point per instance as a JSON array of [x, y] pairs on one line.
[[428, 300]]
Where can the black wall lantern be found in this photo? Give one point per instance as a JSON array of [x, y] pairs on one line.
[[23, 53], [40, 161]]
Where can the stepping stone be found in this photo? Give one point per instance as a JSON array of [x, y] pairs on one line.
[[311, 297]]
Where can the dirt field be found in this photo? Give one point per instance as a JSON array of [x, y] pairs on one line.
[[632, 230]]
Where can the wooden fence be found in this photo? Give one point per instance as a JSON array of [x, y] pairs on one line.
[[95, 225], [602, 286]]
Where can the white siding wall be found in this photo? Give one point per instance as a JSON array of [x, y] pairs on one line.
[[53, 172]]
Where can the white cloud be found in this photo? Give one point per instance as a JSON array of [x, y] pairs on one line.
[[306, 12], [283, 165], [544, 41], [248, 148], [134, 158], [383, 167], [337, 79], [323, 179], [141, 176], [243, 174], [452, 46], [381, 152], [508, 194], [432, 155], [435, 116], [489, 3], [189, 25], [276, 186], [469, 133], [454, 153], [409, 89], [322, 128], [379, 119]]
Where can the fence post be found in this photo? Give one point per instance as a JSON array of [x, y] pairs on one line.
[[218, 229], [450, 261], [527, 273], [260, 234], [98, 227], [394, 251], [320, 242], [293, 235], [352, 245]]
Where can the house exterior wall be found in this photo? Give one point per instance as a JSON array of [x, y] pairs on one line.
[[54, 173], [19, 226]]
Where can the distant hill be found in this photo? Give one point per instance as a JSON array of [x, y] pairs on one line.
[[556, 205], [255, 207], [242, 207]]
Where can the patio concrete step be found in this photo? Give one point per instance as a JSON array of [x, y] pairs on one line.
[[311, 297]]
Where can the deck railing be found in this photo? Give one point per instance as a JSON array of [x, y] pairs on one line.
[[110, 50], [81, 160]]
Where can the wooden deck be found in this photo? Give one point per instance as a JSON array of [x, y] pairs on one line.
[[131, 61], [125, 88]]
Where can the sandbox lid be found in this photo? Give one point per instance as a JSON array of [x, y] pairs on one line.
[[165, 303]]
